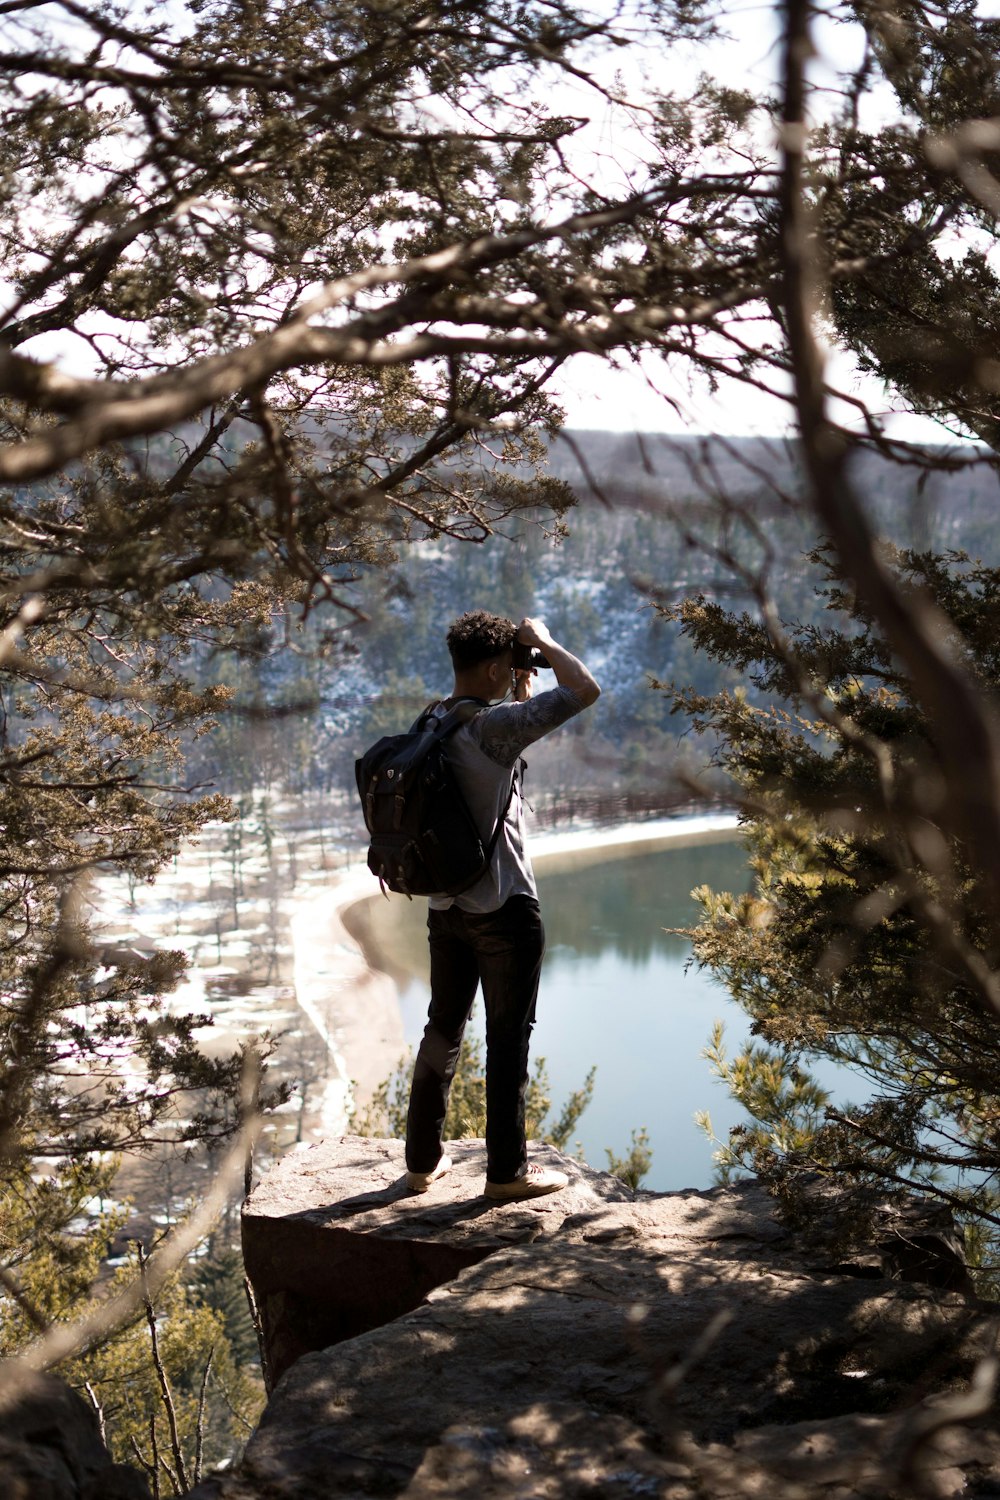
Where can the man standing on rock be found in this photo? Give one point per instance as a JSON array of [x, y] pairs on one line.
[[492, 933]]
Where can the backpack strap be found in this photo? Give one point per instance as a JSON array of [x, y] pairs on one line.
[[463, 711], [503, 816]]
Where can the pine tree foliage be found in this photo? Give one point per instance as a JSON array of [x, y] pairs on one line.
[[634, 1165], [56, 1232], [466, 1116], [171, 1395], [55, 1229], [864, 940], [218, 1283], [920, 207]]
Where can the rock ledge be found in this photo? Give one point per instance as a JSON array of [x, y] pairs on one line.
[[594, 1342]]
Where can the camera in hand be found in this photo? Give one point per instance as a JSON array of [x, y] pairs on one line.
[[526, 659]]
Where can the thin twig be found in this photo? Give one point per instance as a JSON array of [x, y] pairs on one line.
[[258, 1328], [163, 1380], [199, 1441]]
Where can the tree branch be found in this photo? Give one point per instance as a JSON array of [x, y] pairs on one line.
[[962, 726]]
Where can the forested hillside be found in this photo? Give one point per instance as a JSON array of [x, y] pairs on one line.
[[650, 525]]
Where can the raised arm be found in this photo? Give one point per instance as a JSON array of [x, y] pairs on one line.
[[569, 671]]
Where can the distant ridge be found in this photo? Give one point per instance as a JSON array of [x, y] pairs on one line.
[[652, 471]]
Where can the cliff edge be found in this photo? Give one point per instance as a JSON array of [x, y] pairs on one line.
[[598, 1343]]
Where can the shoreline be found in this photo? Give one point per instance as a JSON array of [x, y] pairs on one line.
[[353, 1003], [577, 848]]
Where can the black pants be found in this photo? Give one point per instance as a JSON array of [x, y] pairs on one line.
[[503, 950]]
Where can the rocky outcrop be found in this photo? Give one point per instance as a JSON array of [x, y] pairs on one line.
[[51, 1448], [591, 1343], [335, 1246]]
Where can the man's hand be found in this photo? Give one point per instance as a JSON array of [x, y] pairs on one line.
[[522, 686], [533, 633], [569, 671]]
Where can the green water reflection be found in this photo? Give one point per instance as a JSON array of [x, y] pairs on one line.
[[618, 991], [624, 906]]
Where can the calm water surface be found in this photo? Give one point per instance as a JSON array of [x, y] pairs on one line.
[[619, 992]]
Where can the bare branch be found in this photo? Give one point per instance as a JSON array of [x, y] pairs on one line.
[[166, 1394], [105, 411]]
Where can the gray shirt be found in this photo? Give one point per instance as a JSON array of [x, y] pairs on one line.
[[484, 753]]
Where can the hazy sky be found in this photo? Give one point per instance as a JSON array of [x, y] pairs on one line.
[[657, 397]]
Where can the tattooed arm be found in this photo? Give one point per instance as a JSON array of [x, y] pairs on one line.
[[569, 670]]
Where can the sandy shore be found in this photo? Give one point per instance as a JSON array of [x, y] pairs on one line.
[[576, 848], [354, 1007]]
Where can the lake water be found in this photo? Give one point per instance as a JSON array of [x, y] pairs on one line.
[[619, 992]]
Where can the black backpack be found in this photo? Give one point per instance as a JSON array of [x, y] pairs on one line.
[[423, 839]]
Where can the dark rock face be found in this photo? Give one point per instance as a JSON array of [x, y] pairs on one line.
[[594, 1342], [51, 1448]]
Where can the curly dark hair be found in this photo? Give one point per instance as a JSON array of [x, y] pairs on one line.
[[478, 636]]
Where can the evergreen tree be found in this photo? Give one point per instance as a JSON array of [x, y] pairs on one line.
[[172, 1393], [466, 1117], [865, 940], [186, 1364]]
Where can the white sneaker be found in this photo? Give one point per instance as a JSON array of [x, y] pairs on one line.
[[535, 1183], [419, 1182]]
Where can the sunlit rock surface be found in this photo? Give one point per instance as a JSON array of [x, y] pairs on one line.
[[590, 1343], [334, 1245]]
